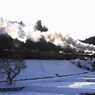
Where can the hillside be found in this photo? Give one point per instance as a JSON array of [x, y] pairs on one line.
[[90, 40], [48, 68], [53, 77], [6, 42]]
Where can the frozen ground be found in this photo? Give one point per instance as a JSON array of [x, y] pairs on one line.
[[53, 77]]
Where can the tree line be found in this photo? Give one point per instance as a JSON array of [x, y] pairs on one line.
[[6, 42]]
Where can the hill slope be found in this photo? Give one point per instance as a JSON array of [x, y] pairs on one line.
[[90, 40], [49, 68]]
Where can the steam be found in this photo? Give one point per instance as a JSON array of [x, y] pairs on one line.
[[61, 40], [24, 31], [14, 29]]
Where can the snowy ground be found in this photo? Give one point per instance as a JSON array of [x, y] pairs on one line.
[[53, 77]]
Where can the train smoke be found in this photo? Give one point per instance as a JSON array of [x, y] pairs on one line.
[[24, 31], [61, 40]]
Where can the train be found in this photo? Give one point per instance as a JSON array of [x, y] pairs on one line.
[[30, 54]]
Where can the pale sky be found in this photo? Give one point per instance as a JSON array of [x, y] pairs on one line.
[[74, 17]]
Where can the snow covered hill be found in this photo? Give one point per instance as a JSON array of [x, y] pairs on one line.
[[48, 68], [53, 77]]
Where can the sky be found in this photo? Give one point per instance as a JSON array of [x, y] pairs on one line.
[[73, 17]]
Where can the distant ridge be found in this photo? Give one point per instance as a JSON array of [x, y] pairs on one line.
[[90, 40]]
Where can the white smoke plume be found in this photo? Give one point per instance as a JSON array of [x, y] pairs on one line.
[[24, 31], [14, 29], [61, 40]]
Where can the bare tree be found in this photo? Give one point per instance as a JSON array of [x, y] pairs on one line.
[[11, 68]]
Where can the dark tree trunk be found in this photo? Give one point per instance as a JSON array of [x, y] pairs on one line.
[[10, 81]]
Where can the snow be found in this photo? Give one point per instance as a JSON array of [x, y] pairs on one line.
[[53, 77], [46, 68], [85, 64]]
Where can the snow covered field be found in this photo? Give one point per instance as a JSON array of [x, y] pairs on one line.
[[53, 77]]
